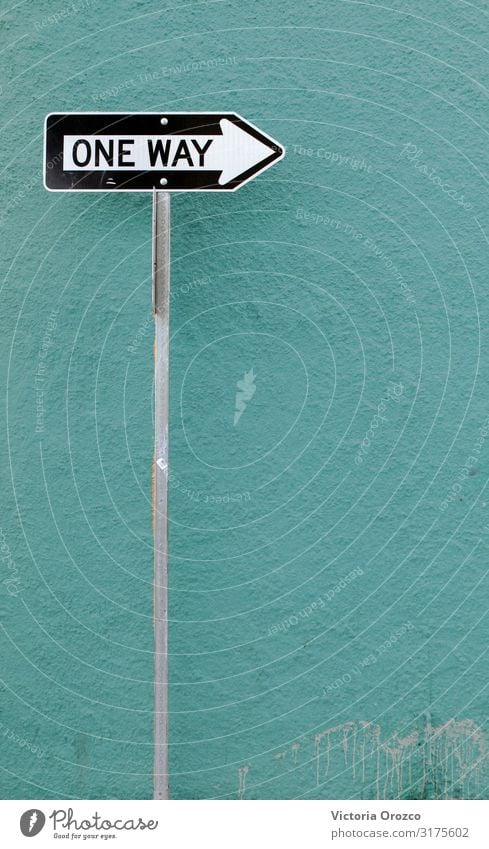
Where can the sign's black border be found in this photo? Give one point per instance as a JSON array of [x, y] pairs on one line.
[[93, 123]]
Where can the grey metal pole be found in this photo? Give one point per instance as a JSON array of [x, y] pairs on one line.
[[161, 309]]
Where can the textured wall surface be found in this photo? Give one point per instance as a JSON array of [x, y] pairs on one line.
[[329, 516]]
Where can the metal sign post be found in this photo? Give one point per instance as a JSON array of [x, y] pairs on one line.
[[200, 152], [161, 310]]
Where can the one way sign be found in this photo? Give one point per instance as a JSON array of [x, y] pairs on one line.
[[91, 151]]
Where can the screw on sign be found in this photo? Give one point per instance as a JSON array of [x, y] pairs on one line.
[[141, 152]]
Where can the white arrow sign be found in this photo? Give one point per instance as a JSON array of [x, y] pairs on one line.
[[96, 152], [232, 153]]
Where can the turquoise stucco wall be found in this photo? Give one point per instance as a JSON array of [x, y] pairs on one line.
[[329, 551]]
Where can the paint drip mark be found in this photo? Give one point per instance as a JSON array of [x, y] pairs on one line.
[[242, 773], [443, 762]]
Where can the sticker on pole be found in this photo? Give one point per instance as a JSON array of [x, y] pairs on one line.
[[95, 152]]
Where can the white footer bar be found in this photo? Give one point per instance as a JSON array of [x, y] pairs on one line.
[[216, 824]]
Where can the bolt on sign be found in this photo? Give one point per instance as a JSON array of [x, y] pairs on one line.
[[92, 151]]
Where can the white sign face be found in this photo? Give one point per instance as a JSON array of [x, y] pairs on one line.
[[95, 152]]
